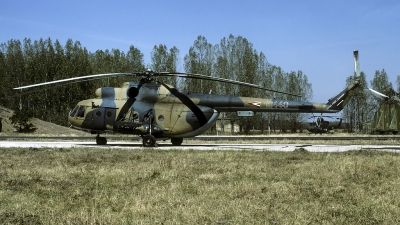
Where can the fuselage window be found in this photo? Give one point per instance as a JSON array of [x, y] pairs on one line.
[[109, 114], [81, 112], [72, 113]]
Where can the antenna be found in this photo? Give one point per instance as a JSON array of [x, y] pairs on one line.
[[356, 64]]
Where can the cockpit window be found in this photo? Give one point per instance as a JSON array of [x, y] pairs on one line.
[[72, 113], [81, 112]]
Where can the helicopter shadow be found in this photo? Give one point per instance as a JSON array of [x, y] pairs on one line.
[[210, 147], [140, 145]]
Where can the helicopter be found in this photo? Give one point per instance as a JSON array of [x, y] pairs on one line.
[[322, 126], [155, 111]]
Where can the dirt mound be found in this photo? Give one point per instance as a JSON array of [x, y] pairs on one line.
[[43, 128]]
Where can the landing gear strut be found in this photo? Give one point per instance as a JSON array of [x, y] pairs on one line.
[[101, 140], [149, 140]]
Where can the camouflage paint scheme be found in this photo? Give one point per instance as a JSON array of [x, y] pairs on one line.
[[386, 118], [153, 109], [163, 111]]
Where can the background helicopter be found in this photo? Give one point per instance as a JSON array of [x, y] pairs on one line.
[[322, 126], [154, 110]]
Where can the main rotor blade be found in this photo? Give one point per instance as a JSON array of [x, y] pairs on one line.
[[149, 75], [74, 79], [204, 77]]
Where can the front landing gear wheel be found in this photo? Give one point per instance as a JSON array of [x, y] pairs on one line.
[[101, 140], [149, 140], [176, 141]]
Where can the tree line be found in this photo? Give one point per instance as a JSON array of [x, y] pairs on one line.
[[29, 62]]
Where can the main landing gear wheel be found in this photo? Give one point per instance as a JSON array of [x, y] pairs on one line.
[[101, 140], [176, 141], [149, 140]]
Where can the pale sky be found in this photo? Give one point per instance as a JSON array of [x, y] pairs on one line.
[[316, 37]]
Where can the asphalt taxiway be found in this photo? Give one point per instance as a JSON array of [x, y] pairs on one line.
[[168, 146]]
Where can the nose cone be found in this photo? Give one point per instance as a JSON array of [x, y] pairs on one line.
[[77, 115], [74, 122]]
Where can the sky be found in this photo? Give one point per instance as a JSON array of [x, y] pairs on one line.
[[316, 37]]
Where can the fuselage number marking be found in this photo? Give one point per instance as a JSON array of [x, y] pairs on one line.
[[277, 104]]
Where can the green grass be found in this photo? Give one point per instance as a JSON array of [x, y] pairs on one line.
[[114, 186]]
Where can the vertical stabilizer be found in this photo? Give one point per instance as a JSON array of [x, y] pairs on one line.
[[340, 100]]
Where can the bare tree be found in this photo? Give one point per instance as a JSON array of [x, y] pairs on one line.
[[199, 60], [165, 61]]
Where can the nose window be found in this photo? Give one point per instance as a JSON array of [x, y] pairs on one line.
[[81, 112], [72, 114]]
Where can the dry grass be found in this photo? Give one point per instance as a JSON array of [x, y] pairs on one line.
[[111, 186]]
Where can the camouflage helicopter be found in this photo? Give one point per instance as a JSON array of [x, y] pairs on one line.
[[155, 111], [322, 126]]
